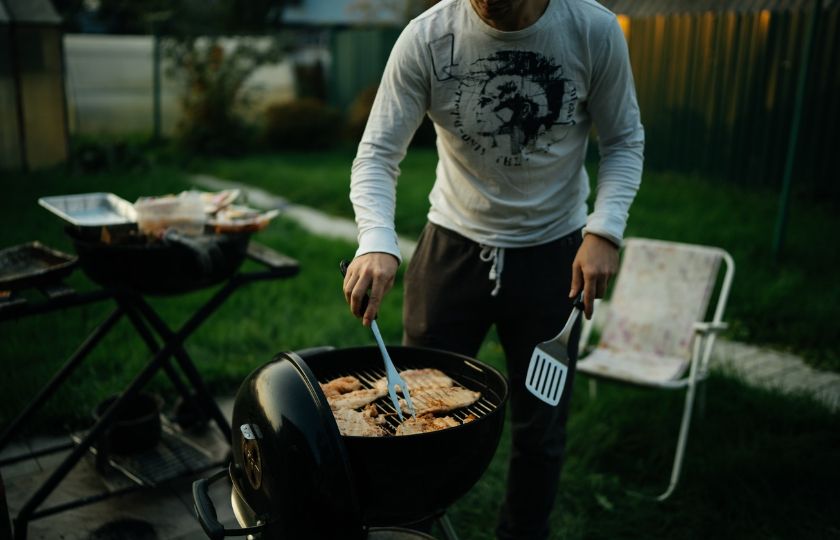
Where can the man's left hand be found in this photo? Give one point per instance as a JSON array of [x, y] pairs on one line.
[[595, 264]]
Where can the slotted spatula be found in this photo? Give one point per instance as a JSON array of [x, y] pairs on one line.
[[549, 365]]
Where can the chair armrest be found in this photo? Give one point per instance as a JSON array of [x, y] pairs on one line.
[[705, 328]]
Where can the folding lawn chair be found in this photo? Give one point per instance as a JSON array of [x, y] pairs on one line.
[[654, 334]]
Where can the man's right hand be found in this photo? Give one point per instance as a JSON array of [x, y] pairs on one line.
[[374, 271]]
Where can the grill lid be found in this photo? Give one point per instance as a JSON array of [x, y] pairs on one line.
[[290, 465]]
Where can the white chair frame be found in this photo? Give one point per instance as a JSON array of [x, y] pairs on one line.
[[703, 340]]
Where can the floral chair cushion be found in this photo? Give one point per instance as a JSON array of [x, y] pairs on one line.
[[662, 289]]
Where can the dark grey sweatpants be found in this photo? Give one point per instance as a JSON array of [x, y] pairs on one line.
[[448, 305]]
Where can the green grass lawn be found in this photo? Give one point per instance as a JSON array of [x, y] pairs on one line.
[[789, 304], [759, 465]]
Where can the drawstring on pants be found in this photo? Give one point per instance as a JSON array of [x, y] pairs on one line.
[[497, 255]]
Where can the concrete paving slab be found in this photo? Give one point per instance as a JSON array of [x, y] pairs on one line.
[[167, 509], [830, 395], [825, 380], [82, 481], [758, 363], [801, 381], [726, 351], [41, 442], [158, 509], [26, 467], [159, 513], [772, 374]]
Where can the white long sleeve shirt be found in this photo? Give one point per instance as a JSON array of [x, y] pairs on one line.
[[512, 112]]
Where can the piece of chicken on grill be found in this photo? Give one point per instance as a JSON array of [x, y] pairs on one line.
[[418, 379], [352, 423], [341, 385], [426, 424], [355, 399], [440, 400]]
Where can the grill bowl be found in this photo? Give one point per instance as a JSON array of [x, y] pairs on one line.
[[293, 469], [160, 268], [402, 480]]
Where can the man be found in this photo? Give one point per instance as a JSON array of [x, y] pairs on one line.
[[513, 88]]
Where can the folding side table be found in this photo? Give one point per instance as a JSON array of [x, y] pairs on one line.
[[163, 342]]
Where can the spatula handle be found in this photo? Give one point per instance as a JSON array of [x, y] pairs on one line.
[[577, 309], [578, 302]]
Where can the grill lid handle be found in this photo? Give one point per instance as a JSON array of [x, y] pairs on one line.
[[206, 511]]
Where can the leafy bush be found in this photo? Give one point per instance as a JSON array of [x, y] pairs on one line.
[[301, 124], [98, 155], [359, 111], [213, 77]]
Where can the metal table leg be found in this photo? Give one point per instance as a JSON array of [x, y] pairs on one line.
[[58, 379], [136, 307], [153, 346], [26, 513], [176, 339]]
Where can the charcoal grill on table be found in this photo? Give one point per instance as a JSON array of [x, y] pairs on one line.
[[164, 343]]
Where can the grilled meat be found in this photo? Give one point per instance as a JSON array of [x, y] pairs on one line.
[[418, 379], [354, 423], [432, 391], [341, 385], [440, 400], [425, 424], [355, 399], [372, 412]]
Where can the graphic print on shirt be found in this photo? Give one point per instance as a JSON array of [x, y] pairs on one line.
[[513, 104]]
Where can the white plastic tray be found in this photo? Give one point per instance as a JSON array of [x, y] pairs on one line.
[[91, 209]]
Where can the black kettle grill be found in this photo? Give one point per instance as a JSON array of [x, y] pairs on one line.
[[294, 476], [177, 264]]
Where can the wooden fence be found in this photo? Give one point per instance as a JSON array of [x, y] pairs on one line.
[[717, 93], [716, 83]]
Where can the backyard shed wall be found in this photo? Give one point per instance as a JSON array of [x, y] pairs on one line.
[[32, 89], [10, 156], [358, 60]]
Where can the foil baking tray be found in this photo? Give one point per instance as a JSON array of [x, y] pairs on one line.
[[32, 265], [91, 209]]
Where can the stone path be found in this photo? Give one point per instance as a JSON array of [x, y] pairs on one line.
[[780, 371], [757, 366], [310, 219]]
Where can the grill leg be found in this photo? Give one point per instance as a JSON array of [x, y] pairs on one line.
[[446, 526], [58, 379], [28, 510], [175, 341], [154, 348]]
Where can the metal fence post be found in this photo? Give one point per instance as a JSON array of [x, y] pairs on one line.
[[784, 196], [156, 82]]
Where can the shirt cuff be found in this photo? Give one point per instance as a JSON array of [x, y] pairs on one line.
[[606, 226], [379, 240]]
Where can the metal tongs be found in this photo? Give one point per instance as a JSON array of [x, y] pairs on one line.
[[391, 373]]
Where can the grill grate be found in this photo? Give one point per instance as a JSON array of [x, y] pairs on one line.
[[385, 408]]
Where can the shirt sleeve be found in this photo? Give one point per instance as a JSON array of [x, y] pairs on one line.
[[400, 104], [621, 139]]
